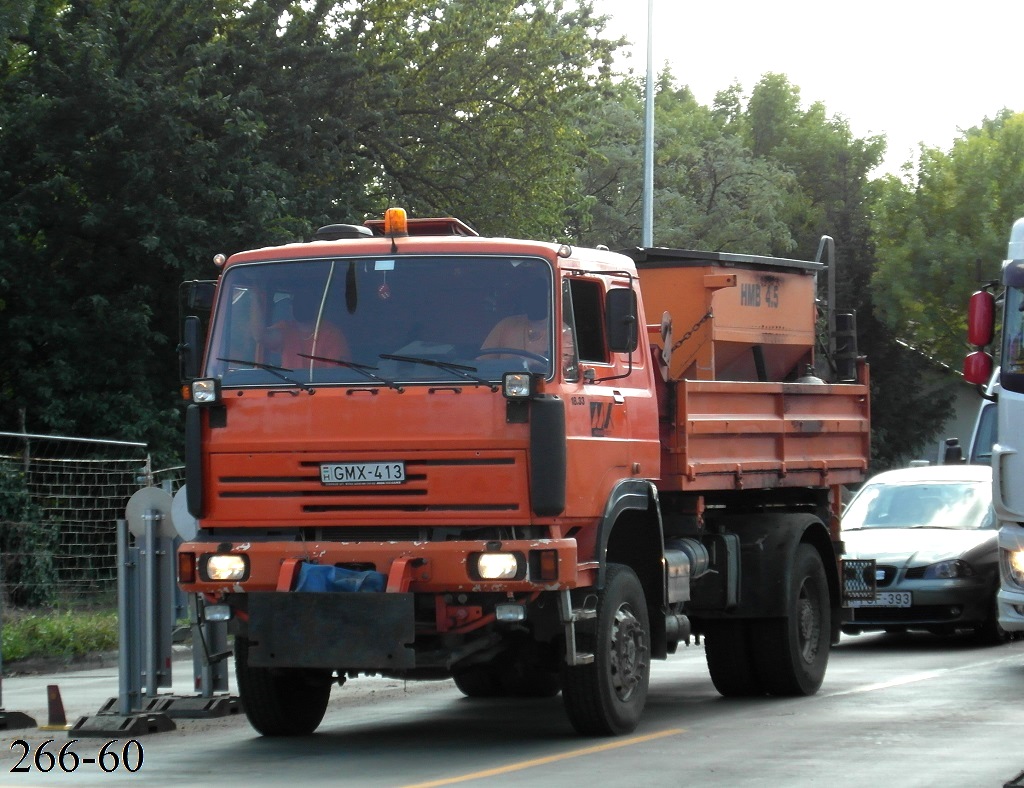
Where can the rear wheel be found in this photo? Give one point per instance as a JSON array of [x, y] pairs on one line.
[[281, 701], [522, 679], [478, 681], [730, 659], [508, 678], [793, 651], [608, 696]]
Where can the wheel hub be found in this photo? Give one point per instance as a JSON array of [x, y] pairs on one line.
[[628, 653], [808, 625]]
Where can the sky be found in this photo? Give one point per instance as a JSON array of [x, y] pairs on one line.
[[913, 71]]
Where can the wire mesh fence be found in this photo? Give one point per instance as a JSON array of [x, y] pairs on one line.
[[60, 499]]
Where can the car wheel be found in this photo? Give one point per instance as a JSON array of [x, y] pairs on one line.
[[990, 631]]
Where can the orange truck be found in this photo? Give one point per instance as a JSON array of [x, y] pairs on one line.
[[415, 452]]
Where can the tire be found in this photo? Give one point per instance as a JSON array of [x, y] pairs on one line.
[[478, 681], [607, 696], [990, 632], [792, 652], [522, 679], [730, 659], [281, 701], [508, 677]]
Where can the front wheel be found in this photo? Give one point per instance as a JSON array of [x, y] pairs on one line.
[[280, 701], [990, 632], [793, 650], [607, 696]]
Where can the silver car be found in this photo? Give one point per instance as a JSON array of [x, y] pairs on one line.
[[932, 533]]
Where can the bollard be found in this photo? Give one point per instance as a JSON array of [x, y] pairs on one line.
[[56, 719]]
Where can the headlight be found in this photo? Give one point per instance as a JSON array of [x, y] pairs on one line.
[[205, 391], [1015, 565], [947, 570], [226, 567], [516, 385], [496, 566]]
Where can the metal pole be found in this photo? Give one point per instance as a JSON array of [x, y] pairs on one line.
[[127, 695], [648, 217], [149, 594]]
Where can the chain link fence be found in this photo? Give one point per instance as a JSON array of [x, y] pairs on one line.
[[60, 499]]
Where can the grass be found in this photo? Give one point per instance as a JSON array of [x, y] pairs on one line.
[[64, 634]]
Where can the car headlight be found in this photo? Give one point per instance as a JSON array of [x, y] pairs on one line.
[[222, 567], [948, 570], [1014, 562], [497, 566]]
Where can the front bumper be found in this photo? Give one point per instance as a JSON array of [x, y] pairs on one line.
[[423, 567], [1011, 609], [960, 604]]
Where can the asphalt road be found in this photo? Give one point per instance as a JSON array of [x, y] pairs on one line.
[[894, 710]]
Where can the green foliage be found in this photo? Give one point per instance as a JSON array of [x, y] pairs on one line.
[[710, 191], [27, 543], [138, 138], [943, 231], [64, 634]]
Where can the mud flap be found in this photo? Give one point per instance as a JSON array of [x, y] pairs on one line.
[[360, 631]]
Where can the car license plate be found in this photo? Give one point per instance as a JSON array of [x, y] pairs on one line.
[[885, 599], [362, 473]]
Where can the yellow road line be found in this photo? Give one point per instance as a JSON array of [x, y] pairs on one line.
[[516, 767]]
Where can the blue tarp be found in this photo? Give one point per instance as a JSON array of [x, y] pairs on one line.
[[318, 578]]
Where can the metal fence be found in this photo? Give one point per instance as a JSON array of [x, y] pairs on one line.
[[60, 499]]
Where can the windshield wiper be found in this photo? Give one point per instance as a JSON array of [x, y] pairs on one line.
[[276, 371], [363, 369], [462, 370]]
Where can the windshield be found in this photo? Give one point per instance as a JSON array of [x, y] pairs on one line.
[[382, 321], [1012, 364], [960, 504]]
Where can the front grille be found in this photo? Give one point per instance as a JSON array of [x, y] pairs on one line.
[[286, 488]]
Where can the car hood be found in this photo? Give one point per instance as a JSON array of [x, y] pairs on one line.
[[918, 546]]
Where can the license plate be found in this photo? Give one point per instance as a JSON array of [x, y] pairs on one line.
[[885, 599], [362, 473]]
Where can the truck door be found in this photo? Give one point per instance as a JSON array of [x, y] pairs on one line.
[[611, 425]]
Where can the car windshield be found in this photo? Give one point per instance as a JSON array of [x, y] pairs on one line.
[[382, 321], [963, 505]]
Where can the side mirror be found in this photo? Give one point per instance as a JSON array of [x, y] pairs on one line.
[[978, 368], [621, 320], [190, 348], [195, 300], [200, 295], [981, 318]]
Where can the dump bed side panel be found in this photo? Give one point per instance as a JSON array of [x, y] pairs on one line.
[[735, 435]]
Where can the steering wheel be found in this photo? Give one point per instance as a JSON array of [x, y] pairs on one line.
[[511, 351]]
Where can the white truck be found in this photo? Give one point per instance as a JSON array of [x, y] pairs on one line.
[[1008, 450]]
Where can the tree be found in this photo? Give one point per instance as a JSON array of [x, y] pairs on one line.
[[710, 191], [837, 198], [138, 138], [942, 232]]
